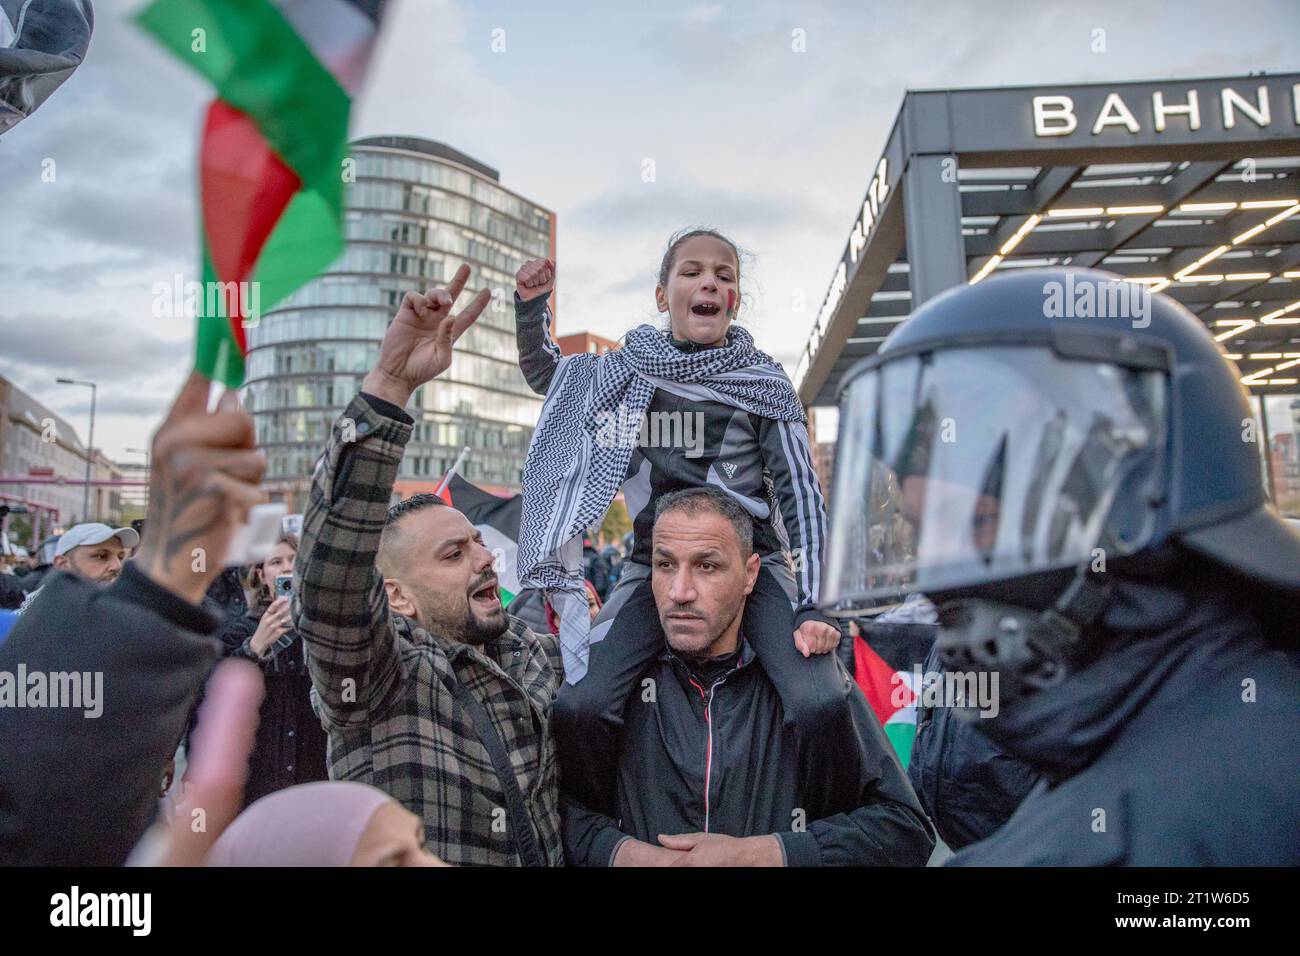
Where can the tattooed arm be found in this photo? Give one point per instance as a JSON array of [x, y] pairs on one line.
[[77, 791], [204, 480]]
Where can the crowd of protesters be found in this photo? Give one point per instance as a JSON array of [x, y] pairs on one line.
[[361, 696]]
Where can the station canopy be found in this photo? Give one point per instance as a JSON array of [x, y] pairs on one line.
[[1190, 187]]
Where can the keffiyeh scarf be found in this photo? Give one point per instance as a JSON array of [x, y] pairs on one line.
[[589, 426]]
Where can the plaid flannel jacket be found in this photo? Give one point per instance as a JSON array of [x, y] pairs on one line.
[[377, 677]]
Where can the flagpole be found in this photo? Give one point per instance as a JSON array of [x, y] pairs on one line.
[[455, 466]]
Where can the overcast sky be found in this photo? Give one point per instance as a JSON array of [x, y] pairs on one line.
[[772, 146]]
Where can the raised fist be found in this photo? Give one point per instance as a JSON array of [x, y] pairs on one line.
[[535, 277]]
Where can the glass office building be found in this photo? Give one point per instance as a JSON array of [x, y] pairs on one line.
[[415, 211]]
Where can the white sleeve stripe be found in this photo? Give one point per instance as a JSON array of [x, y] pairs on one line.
[[806, 574], [818, 509], [547, 342], [807, 485], [812, 547], [785, 449]]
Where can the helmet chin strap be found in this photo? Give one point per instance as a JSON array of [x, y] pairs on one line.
[[1031, 650]]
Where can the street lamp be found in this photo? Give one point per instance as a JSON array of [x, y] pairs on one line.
[[90, 447]]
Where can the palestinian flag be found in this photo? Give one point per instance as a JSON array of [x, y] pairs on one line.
[[271, 163], [883, 665], [497, 519]]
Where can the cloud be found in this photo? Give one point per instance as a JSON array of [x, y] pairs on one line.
[[88, 274], [99, 183], [123, 217], [426, 79], [138, 373], [656, 206], [702, 14], [100, 345], [771, 145]]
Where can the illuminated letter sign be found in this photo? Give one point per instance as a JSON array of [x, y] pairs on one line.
[[1113, 113], [871, 206], [1191, 109], [1057, 115], [1054, 116], [1233, 101]]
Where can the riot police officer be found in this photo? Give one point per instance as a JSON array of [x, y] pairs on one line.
[[1070, 473]]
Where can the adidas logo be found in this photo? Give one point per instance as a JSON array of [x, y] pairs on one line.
[[729, 468]]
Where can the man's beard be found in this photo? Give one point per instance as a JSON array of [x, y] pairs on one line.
[[476, 631], [107, 577], [461, 623]]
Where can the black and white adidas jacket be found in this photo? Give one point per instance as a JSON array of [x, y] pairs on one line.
[[764, 464]]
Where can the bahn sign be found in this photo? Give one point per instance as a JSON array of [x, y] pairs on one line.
[[987, 127], [1221, 110]]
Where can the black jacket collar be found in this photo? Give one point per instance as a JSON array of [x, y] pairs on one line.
[[686, 345], [688, 668]]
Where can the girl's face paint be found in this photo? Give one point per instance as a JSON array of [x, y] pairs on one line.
[[703, 267]]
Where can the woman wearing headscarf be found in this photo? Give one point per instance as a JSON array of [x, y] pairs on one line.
[[335, 823]]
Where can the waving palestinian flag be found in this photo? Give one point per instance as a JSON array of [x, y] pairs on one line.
[[274, 145], [883, 667], [497, 519]]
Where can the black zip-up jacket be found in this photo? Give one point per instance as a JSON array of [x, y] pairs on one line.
[[712, 754], [767, 465], [968, 785], [291, 744], [1178, 745], [78, 791]]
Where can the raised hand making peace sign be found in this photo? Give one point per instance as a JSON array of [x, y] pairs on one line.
[[417, 347]]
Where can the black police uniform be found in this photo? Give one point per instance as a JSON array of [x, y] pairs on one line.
[[1065, 468]]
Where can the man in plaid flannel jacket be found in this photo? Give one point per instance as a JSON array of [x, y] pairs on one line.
[[398, 607]]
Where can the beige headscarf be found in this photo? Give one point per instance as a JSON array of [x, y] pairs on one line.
[[314, 824]]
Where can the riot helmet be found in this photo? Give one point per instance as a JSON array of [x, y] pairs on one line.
[[1014, 439]]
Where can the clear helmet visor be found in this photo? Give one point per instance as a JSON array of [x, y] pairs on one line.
[[963, 466]]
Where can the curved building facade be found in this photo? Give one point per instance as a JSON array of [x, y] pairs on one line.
[[415, 211]]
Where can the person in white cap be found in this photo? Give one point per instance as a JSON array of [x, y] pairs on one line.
[[93, 551]]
